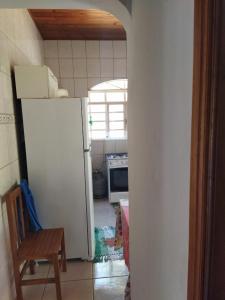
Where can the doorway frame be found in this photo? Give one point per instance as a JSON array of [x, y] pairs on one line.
[[204, 126]]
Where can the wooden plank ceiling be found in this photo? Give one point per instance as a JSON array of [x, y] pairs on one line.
[[77, 24]]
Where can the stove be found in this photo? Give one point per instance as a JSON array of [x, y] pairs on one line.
[[117, 160], [117, 169], [116, 156]]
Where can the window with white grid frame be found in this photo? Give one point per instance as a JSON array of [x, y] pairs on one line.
[[108, 113]]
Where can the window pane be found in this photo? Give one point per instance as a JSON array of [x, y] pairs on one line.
[[126, 96], [116, 116], [98, 125], [98, 134], [97, 108], [98, 116], [96, 97], [116, 108], [117, 134], [115, 97], [116, 125]]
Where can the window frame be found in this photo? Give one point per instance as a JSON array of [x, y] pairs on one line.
[[107, 104]]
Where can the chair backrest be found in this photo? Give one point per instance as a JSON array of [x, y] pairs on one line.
[[16, 220]]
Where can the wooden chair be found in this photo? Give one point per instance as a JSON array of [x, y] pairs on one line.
[[27, 247]]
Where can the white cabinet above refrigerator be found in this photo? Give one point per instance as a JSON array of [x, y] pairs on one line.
[[35, 82]]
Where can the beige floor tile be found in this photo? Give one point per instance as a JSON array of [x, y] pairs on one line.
[[76, 270], [33, 292], [41, 270], [104, 213], [110, 269], [72, 290], [110, 288]]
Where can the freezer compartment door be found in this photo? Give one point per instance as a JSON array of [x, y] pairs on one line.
[[90, 204]]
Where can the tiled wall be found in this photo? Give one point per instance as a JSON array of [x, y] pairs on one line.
[[20, 43], [80, 65]]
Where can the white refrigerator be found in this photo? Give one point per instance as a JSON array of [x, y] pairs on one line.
[[59, 169]]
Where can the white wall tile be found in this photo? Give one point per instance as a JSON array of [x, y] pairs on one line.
[[79, 49], [120, 49], [8, 106], [15, 171], [12, 143], [104, 79], [107, 67], [81, 89], [4, 55], [51, 49], [93, 49], [97, 147], [5, 250], [80, 68], [8, 176], [6, 87], [2, 110], [5, 180], [106, 49], [65, 49], [4, 154], [6, 95], [109, 146], [120, 68], [53, 64], [93, 82], [94, 61], [9, 27], [66, 67], [97, 162], [68, 84], [7, 291], [93, 67], [121, 146]]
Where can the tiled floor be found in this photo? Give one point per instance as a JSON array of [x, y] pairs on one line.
[[82, 281], [104, 213]]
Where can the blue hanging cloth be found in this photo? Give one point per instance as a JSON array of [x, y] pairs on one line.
[[30, 206]]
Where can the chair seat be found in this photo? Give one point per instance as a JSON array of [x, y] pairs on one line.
[[41, 244]]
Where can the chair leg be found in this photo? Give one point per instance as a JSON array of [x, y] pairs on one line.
[[32, 267], [57, 277], [63, 255], [19, 293]]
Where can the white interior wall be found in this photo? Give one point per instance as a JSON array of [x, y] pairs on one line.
[[20, 43], [160, 96]]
